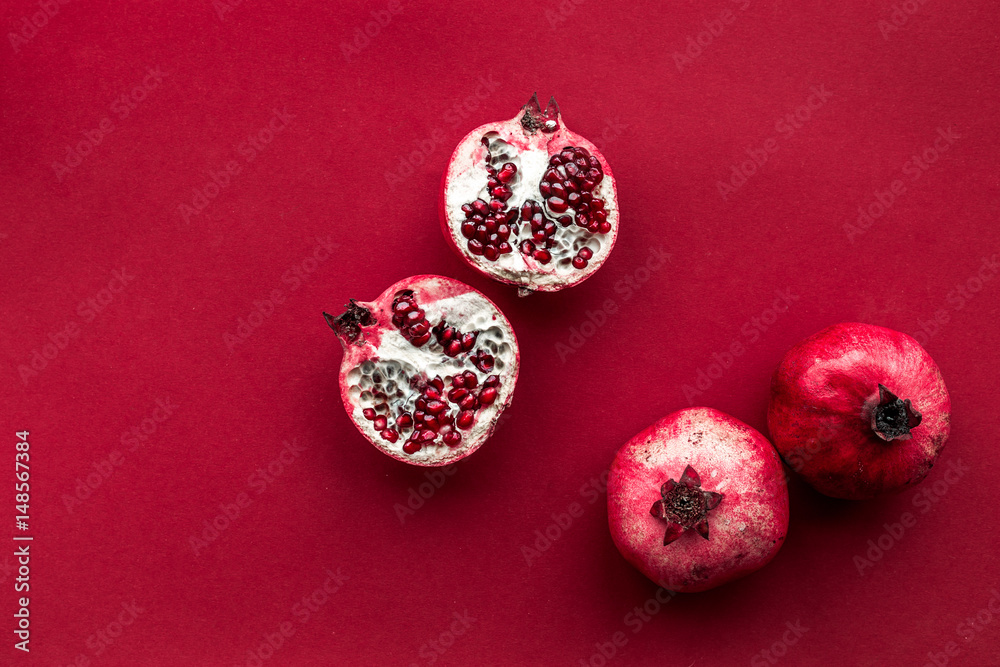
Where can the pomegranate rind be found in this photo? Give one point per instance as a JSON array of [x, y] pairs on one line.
[[822, 397], [747, 528], [467, 165], [381, 342]]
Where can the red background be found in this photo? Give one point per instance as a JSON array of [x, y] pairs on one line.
[[671, 133]]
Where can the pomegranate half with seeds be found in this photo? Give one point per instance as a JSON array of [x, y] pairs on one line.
[[428, 368], [696, 500], [530, 203], [859, 410]]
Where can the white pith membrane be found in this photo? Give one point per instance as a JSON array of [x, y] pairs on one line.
[[390, 368], [467, 181]]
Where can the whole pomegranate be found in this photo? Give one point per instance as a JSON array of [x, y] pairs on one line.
[[696, 500], [428, 368], [859, 410], [529, 203]]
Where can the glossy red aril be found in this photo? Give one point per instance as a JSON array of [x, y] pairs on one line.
[[697, 499], [428, 368], [530, 203], [859, 410]]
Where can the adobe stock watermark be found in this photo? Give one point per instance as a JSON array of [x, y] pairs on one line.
[[294, 277], [259, 481], [101, 470], [122, 107], [899, 17], [431, 651], [559, 13], [626, 288], [455, 116], [613, 129], [926, 498], [590, 492], [912, 169], [302, 612], [99, 641], [363, 35], [30, 24], [418, 495], [778, 649], [957, 298], [635, 620], [785, 128], [750, 333], [714, 28], [967, 630], [87, 310], [218, 180]]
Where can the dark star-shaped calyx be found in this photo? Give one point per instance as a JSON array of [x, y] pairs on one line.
[[684, 504]]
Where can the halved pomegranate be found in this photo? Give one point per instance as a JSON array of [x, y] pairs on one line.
[[428, 368], [529, 203]]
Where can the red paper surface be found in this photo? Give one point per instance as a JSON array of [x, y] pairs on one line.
[[676, 95]]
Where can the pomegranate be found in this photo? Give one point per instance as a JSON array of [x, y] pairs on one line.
[[696, 500], [428, 368], [859, 410], [529, 203]]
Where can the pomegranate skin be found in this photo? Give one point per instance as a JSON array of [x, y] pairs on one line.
[[746, 529], [822, 399]]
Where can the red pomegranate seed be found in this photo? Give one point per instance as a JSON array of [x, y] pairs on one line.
[[468, 340], [545, 189], [557, 205], [579, 263], [468, 403], [454, 348], [504, 248], [458, 380], [411, 447], [419, 329], [488, 395], [470, 379], [496, 206], [585, 253], [476, 247], [432, 423], [491, 253], [481, 207], [559, 190], [452, 439], [507, 172], [604, 227], [436, 407], [420, 340], [492, 381], [404, 420], [421, 404], [390, 435], [379, 423], [552, 176], [427, 435], [465, 419], [468, 229], [456, 395], [368, 413], [542, 256]]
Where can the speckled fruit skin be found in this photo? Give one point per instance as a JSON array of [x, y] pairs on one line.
[[822, 396], [427, 288], [470, 152], [745, 530]]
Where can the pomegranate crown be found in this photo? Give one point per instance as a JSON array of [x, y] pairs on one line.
[[684, 504], [535, 118], [348, 324], [893, 417]]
